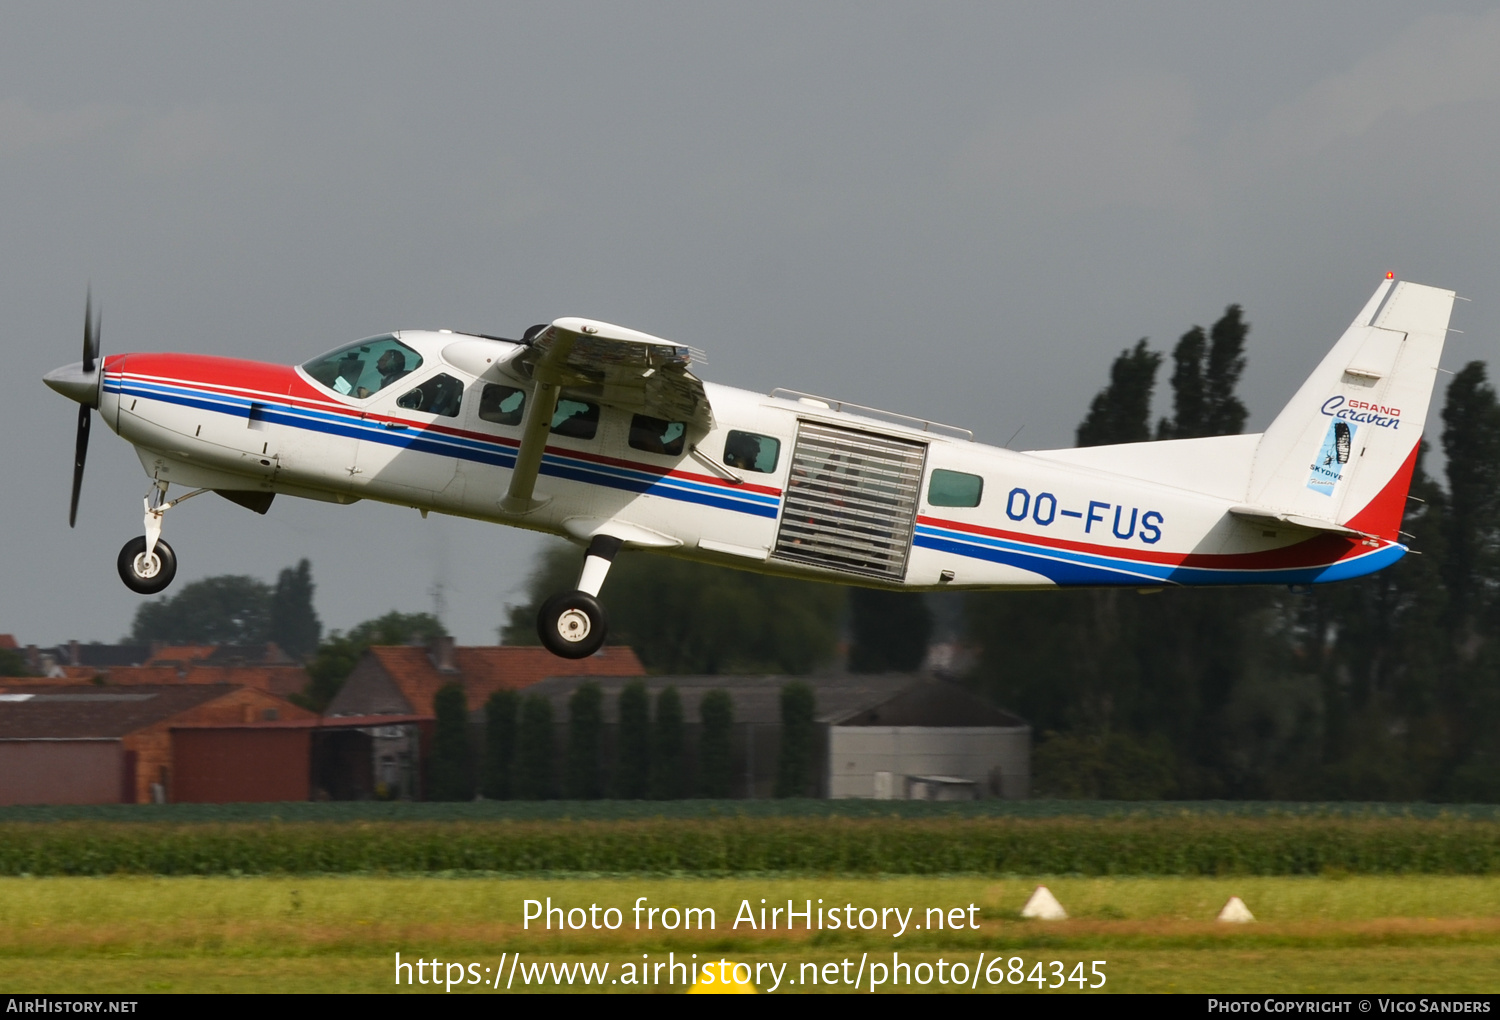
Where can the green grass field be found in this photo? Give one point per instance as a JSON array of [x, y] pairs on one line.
[[306, 934]]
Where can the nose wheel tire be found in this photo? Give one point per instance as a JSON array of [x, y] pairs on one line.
[[572, 625], [143, 575]]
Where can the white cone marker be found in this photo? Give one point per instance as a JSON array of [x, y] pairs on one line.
[[1235, 911], [1044, 905]]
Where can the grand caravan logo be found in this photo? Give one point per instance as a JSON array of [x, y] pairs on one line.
[[1363, 411]]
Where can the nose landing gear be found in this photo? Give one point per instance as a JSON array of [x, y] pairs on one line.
[[572, 624], [147, 574], [147, 564]]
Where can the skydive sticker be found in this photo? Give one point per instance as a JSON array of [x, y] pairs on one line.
[[1333, 455]]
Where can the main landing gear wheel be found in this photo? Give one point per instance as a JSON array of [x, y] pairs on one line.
[[571, 625], [143, 575]]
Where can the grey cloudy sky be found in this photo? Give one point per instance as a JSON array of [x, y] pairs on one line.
[[959, 211]]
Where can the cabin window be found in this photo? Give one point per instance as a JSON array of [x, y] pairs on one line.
[[365, 368], [751, 452], [502, 405], [657, 436], [576, 418], [954, 488], [442, 394]]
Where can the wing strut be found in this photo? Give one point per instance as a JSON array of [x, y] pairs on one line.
[[548, 377]]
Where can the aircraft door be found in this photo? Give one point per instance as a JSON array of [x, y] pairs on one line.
[[410, 441], [851, 501]]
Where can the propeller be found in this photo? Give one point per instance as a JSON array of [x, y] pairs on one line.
[[91, 326]]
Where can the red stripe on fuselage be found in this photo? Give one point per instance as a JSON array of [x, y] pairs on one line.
[[226, 373]]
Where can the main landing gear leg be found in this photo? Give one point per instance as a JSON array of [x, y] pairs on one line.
[[572, 624], [147, 564]]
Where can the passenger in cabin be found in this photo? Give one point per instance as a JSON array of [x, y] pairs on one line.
[[740, 451]]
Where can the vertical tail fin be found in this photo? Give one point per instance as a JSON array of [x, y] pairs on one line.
[[1345, 447]]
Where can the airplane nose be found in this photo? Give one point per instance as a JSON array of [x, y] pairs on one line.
[[75, 384]]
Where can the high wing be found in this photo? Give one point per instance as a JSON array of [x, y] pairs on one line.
[[609, 365]]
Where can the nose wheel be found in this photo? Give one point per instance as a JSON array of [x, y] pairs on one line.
[[147, 573], [147, 564]]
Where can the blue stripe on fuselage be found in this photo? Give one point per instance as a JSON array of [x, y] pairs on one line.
[[492, 453]]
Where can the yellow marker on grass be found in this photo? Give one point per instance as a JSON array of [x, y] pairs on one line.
[[723, 978]]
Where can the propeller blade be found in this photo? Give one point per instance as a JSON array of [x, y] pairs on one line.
[[90, 332], [79, 453]]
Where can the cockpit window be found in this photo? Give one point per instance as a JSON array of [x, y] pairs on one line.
[[442, 394], [365, 368]]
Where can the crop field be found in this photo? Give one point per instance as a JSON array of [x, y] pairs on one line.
[[727, 846], [342, 933], [903, 897]]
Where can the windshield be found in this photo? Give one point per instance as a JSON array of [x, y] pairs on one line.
[[365, 368]]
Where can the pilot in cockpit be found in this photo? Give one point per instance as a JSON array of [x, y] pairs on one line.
[[391, 366]]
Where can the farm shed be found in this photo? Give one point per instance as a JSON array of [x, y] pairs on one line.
[[931, 741], [89, 744]]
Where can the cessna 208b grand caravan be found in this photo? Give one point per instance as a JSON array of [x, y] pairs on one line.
[[605, 435]]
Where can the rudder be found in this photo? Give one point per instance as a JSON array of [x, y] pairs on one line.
[[1344, 449]]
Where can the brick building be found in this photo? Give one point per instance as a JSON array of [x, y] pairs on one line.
[[86, 744]]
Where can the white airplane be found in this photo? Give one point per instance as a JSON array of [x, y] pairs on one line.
[[605, 435]]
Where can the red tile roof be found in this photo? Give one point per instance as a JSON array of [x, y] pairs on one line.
[[278, 680], [8, 642], [163, 654], [485, 669], [68, 711]]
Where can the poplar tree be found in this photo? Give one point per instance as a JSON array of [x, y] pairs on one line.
[[585, 729], [667, 759], [449, 774], [632, 769], [294, 624], [1121, 412], [794, 762], [534, 761], [497, 780], [715, 764]]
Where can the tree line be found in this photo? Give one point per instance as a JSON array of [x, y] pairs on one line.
[[518, 759]]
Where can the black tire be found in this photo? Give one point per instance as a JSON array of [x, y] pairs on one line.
[[572, 625], [137, 575]]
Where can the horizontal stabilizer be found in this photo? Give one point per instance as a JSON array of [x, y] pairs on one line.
[[1267, 517]]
